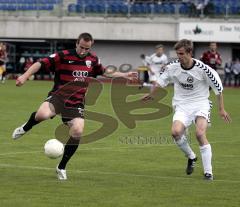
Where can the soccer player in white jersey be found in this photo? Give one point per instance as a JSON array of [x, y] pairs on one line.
[[191, 79], [156, 63]]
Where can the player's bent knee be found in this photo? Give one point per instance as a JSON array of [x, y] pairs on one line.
[[176, 134], [200, 134], [42, 116], [76, 133]]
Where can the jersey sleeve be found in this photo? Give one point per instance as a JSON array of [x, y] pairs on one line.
[[148, 60], [213, 80], [98, 69], [165, 60], [50, 63], [164, 79]]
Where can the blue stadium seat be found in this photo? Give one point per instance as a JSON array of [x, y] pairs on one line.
[[136, 9], [168, 8], [89, 8], [123, 8], [72, 8], [47, 7], [219, 9], [157, 8], [183, 9], [12, 7], [114, 9], [235, 10]]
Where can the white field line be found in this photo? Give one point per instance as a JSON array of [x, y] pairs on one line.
[[112, 173], [128, 147], [132, 146], [156, 144]]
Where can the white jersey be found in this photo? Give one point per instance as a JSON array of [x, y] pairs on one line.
[[191, 86], [156, 63]]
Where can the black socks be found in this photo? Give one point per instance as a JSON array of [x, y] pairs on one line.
[[31, 122], [70, 148]]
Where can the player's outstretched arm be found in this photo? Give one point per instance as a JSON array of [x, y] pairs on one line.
[[24, 77], [129, 75], [225, 116], [150, 96]]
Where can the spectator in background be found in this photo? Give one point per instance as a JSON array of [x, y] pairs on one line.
[[236, 72], [145, 71], [21, 64], [227, 73], [211, 57], [3, 60], [29, 62], [208, 8], [156, 63]]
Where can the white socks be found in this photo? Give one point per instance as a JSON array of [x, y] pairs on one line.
[[205, 150], [206, 153], [147, 84], [185, 147]]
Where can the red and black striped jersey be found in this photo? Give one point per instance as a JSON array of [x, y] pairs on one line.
[[72, 74], [213, 60]]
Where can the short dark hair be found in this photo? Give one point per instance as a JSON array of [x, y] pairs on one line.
[[186, 44], [85, 36], [142, 56], [159, 46]]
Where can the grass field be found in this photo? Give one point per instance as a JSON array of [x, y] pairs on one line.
[[117, 170]]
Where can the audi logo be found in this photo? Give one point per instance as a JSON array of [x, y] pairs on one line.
[[79, 73]]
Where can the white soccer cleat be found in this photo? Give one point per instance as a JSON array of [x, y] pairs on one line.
[[18, 132], [61, 174]]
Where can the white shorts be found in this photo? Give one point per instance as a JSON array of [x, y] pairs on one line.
[[188, 115], [153, 76]]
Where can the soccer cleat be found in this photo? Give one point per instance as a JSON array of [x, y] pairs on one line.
[[18, 132], [208, 176], [61, 174], [190, 166], [140, 87]]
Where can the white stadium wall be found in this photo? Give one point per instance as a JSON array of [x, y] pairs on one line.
[[122, 40], [104, 29]]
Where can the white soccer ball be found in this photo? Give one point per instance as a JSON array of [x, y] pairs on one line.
[[53, 148]]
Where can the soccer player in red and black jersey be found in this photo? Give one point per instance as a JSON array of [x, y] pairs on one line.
[[211, 57], [72, 68]]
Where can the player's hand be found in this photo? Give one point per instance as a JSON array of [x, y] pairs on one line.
[[151, 72], [225, 116], [21, 80], [132, 75], [147, 97]]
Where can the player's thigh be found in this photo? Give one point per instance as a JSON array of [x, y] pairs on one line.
[[201, 124], [76, 127], [45, 111]]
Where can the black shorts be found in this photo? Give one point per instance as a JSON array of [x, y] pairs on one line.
[[67, 112]]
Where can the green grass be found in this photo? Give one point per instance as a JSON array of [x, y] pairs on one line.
[[111, 172]]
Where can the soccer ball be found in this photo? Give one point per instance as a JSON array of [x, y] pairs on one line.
[[53, 148]]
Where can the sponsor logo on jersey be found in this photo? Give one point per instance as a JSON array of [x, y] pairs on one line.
[[79, 73], [88, 63], [190, 79], [186, 86]]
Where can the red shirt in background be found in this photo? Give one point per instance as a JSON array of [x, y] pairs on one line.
[[213, 60]]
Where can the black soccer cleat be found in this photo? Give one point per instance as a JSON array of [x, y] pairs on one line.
[[208, 176], [190, 166]]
